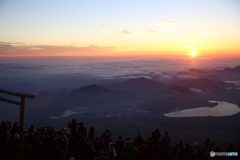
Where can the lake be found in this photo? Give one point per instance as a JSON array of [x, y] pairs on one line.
[[221, 109]]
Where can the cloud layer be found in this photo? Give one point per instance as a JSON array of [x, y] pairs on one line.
[[125, 32], [11, 49]]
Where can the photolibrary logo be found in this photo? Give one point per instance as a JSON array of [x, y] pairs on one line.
[[212, 153]]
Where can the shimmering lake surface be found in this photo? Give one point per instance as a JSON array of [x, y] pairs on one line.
[[221, 109]]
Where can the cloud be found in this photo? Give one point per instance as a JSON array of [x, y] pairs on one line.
[[124, 49], [125, 32], [152, 31], [35, 48], [102, 25], [10, 49], [187, 46]]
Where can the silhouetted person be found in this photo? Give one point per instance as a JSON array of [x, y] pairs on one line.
[[207, 147], [73, 127], [167, 141], [31, 129], [111, 150], [133, 155], [156, 134], [119, 146], [15, 145], [128, 145], [196, 154], [106, 134], [138, 141], [82, 129], [92, 132], [187, 152], [177, 150], [4, 132], [231, 148], [15, 128], [62, 143], [143, 151]]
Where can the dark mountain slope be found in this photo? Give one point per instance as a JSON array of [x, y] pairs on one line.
[[139, 84]]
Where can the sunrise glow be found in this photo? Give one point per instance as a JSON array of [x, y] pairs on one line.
[[193, 53], [163, 29]]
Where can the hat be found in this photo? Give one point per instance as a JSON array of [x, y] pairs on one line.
[[16, 135], [195, 144]]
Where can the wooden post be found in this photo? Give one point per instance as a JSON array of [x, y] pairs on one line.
[[21, 146], [22, 108]]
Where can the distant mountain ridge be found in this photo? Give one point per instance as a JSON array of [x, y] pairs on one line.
[[92, 89], [235, 69], [203, 83], [139, 84]]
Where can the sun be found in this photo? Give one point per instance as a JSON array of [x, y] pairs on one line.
[[193, 53]]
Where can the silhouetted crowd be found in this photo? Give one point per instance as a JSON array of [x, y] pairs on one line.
[[47, 143]]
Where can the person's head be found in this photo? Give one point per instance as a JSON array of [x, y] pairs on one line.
[[120, 137], [73, 120], [195, 144], [71, 158], [187, 145], [81, 123], [181, 143], [177, 144], [166, 133], [3, 123]]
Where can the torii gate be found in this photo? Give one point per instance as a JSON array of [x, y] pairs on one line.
[[22, 108]]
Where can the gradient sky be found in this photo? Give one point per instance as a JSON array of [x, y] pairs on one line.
[[163, 28]]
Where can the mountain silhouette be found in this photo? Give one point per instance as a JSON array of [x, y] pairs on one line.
[[43, 94], [42, 98], [196, 70], [92, 89], [181, 89], [235, 69], [28, 67], [205, 83], [139, 84]]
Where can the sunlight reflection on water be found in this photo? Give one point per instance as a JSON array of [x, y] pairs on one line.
[[221, 109]]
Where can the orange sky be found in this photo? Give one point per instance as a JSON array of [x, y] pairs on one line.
[[137, 28]]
